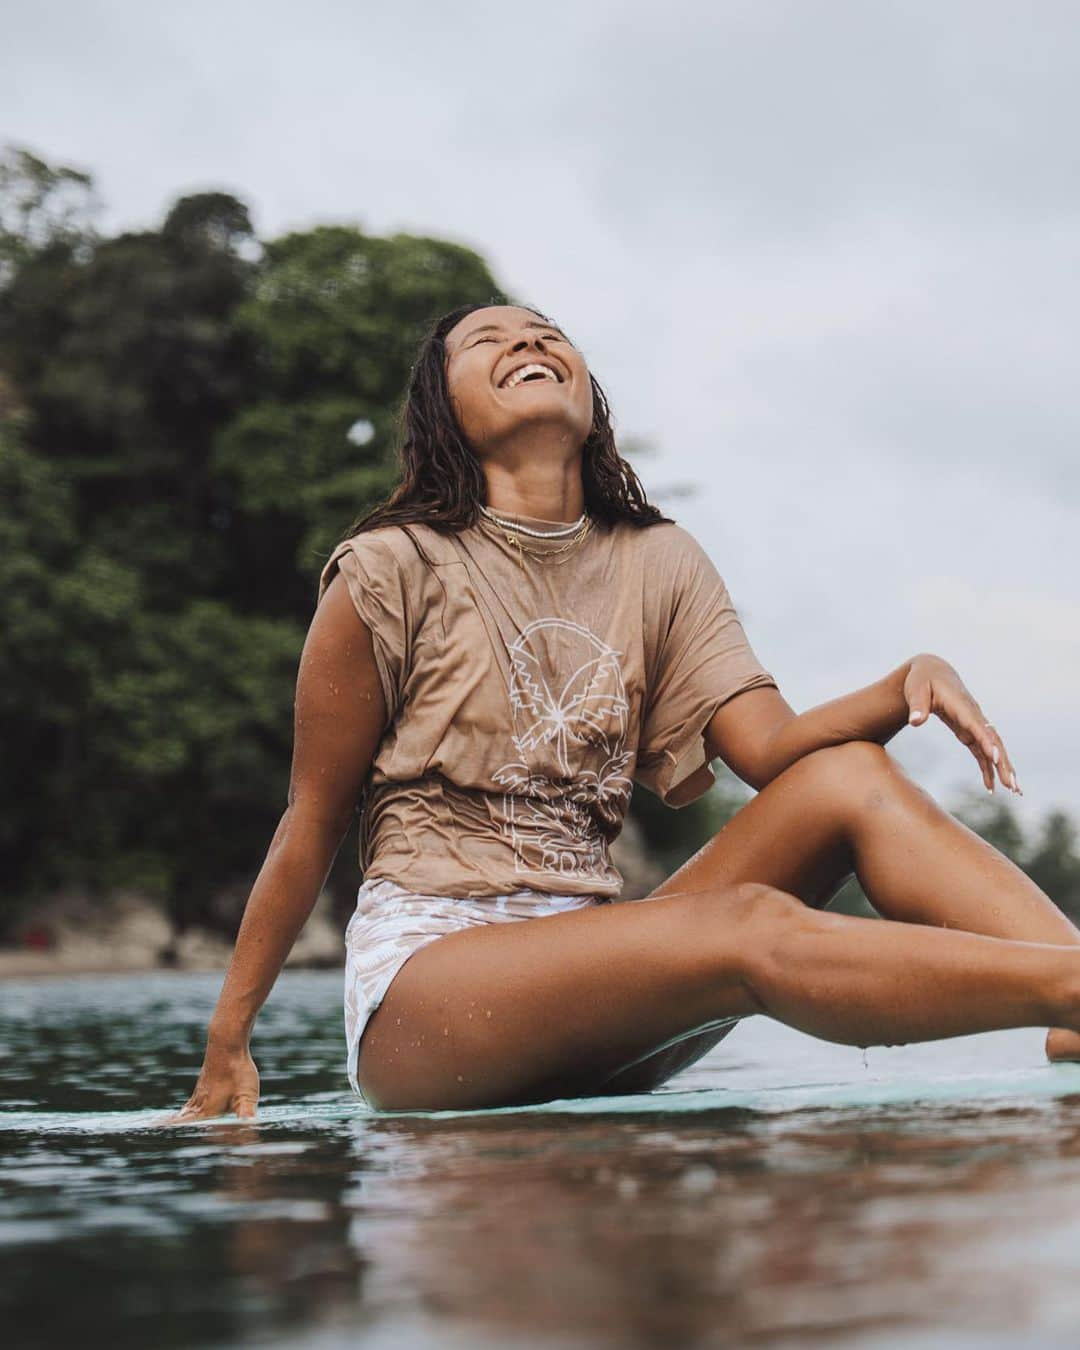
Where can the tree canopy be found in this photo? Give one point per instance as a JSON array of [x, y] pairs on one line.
[[175, 465], [190, 417]]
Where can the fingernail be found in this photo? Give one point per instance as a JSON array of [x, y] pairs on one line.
[[996, 754], [915, 715]]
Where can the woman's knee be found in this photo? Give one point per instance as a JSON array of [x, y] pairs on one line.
[[853, 776], [753, 920], [772, 927]]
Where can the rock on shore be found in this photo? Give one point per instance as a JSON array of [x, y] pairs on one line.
[[69, 934]]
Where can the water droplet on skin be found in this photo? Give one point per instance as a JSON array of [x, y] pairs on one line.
[[446, 1031], [865, 1061], [488, 1013], [460, 1079]]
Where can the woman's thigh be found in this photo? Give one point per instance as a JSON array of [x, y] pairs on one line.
[[549, 1007], [612, 998], [793, 835]]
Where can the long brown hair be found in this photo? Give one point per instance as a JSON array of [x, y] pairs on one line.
[[442, 483]]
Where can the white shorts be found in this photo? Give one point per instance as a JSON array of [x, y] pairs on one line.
[[390, 923]]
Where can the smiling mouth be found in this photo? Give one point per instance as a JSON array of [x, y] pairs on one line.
[[529, 374]]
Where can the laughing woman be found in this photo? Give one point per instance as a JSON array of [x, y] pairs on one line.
[[498, 651]]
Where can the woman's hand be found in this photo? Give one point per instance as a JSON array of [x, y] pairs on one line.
[[228, 1081], [933, 686]]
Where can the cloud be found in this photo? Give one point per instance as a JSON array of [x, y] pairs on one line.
[[824, 256]]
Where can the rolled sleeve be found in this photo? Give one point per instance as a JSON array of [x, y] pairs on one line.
[[705, 659], [379, 594]]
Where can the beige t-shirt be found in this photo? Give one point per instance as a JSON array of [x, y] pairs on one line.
[[523, 700]]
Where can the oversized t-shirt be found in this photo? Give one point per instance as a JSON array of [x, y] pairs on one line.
[[524, 696]]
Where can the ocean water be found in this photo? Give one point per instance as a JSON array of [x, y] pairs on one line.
[[781, 1192]]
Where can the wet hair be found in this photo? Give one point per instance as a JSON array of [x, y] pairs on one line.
[[442, 483]]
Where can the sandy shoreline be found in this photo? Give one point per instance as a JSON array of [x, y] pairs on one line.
[[19, 965], [69, 935]]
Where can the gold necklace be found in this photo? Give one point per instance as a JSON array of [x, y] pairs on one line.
[[540, 554]]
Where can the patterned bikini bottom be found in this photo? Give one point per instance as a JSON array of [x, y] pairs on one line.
[[391, 923]]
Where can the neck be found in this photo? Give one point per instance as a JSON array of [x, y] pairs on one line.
[[545, 491]]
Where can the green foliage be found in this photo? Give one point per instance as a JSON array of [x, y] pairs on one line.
[[672, 835], [174, 467], [1050, 855], [42, 207], [335, 317]]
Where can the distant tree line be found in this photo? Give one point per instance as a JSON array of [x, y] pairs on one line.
[[190, 417]]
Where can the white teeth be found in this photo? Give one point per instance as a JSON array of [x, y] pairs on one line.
[[534, 369]]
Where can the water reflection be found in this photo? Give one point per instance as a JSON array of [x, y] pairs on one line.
[[738, 1227], [320, 1224]]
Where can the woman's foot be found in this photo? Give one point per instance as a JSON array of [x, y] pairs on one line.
[[1062, 1044]]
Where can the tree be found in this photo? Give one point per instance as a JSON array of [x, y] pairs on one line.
[[43, 208], [174, 464]]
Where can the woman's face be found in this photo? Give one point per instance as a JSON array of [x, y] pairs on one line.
[[508, 370]]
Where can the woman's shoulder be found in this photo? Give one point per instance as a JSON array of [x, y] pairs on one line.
[[664, 543], [376, 553], [405, 553]]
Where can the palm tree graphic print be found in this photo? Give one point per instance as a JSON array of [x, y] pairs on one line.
[[566, 790]]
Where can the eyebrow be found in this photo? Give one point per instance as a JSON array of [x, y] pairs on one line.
[[485, 327]]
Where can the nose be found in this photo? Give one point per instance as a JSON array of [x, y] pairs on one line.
[[533, 340]]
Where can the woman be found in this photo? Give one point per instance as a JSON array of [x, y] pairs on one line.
[[497, 652]]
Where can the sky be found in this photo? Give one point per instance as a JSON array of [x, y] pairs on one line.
[[823, 256]]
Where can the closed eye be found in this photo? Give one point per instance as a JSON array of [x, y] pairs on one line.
[[552, 337]]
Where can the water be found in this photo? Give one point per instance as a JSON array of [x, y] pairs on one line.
[[781, 1192]]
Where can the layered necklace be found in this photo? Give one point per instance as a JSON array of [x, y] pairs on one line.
[[512, 531]]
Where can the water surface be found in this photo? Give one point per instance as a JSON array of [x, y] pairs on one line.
[[781, 1192]]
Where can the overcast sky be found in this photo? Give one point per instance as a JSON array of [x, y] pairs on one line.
[[824, 255]]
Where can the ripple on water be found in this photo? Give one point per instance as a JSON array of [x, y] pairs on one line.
[[776, 1187]]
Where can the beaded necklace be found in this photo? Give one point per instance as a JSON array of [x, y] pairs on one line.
[[559, 533], [580, 529]]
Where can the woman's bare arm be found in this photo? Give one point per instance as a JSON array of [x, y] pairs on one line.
[[339, 717], [758, 734]]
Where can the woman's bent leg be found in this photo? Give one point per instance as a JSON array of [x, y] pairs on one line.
[[553, 1007], [852, 808]]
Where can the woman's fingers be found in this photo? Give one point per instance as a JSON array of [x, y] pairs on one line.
[[1005, 766], [992, 753], [985, 763], [920, 701], [971, 731], [244, 1108], [243, 1103], [994, 748], [933, 686]]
